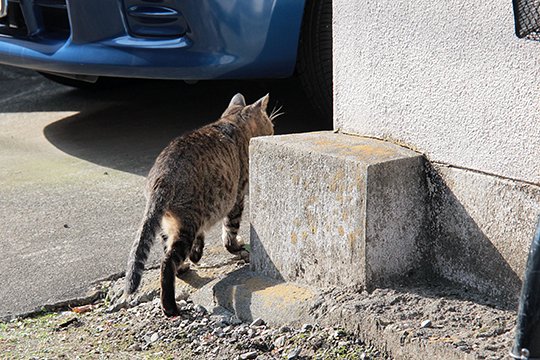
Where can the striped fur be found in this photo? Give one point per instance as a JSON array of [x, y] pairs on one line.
[[231, 225], [144, 240], [199, 179]]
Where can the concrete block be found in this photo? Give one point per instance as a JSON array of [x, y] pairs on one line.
[[334, 209]]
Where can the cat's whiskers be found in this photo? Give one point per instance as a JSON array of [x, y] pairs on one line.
[[275, 113]]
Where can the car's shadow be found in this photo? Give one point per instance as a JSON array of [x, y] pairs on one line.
[[128, 126]]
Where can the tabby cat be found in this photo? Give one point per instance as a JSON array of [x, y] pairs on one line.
[[197, 180]]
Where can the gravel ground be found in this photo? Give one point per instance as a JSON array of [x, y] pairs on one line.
[[400, 320], [142, 332]]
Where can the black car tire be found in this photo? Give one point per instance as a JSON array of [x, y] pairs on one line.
[[315, 56]]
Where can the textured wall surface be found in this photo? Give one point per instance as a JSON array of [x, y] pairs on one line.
[[449, 79], [482, 227]]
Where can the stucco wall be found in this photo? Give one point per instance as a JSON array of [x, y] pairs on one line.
[[447, 78]]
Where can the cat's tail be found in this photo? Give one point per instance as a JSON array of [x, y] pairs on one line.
[[144, 240]]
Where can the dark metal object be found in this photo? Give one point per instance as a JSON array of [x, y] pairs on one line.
[[3, 8], [527, 340], [527, 19], [155, 19]]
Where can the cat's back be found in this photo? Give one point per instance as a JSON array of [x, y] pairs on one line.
[[216, 139], [203, 153]]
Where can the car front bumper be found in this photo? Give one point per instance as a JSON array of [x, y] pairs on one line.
[[215, 39]]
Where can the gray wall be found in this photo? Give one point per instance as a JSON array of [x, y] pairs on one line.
[[448, 78], [452, 81]]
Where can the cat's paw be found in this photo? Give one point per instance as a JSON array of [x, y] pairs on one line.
[[244, 252], [195, 255], [240, 241], [182, 269], [244, 255], [235, 246], [171, 311], [244, 249]]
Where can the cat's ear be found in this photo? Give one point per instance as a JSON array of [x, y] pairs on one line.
[[236, 101], [262, 103]]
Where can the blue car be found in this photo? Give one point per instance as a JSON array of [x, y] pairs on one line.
[[76, 42]]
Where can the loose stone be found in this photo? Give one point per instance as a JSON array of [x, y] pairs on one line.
[[284, 329], [248, 355], [257, 322], [135, 347], [279, 342], [227, 329], [426, 324], [200, 309], [294, 353], [154, 337]]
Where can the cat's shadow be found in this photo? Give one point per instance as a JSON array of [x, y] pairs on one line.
[[125, 129], [193, 279]]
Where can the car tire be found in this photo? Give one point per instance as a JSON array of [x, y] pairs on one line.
[[315, 56]]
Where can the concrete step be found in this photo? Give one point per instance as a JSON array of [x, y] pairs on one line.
[[251, 296], [332, 209]]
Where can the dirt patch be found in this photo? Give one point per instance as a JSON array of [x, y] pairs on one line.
[[448, 321]]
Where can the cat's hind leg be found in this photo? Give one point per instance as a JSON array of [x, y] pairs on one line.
[[231, 225], [178, 250], [197, 249], [164, 240], [195, 255], [182, 269], [171, 227]]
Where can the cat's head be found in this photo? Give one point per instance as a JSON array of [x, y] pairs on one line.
[[253, 117]]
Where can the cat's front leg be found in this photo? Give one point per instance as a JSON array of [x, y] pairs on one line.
[[231, 225]]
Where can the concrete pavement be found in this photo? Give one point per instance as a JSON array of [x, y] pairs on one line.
[[72, 169]]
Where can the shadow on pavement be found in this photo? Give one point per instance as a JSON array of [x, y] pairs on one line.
[[130, 125]]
